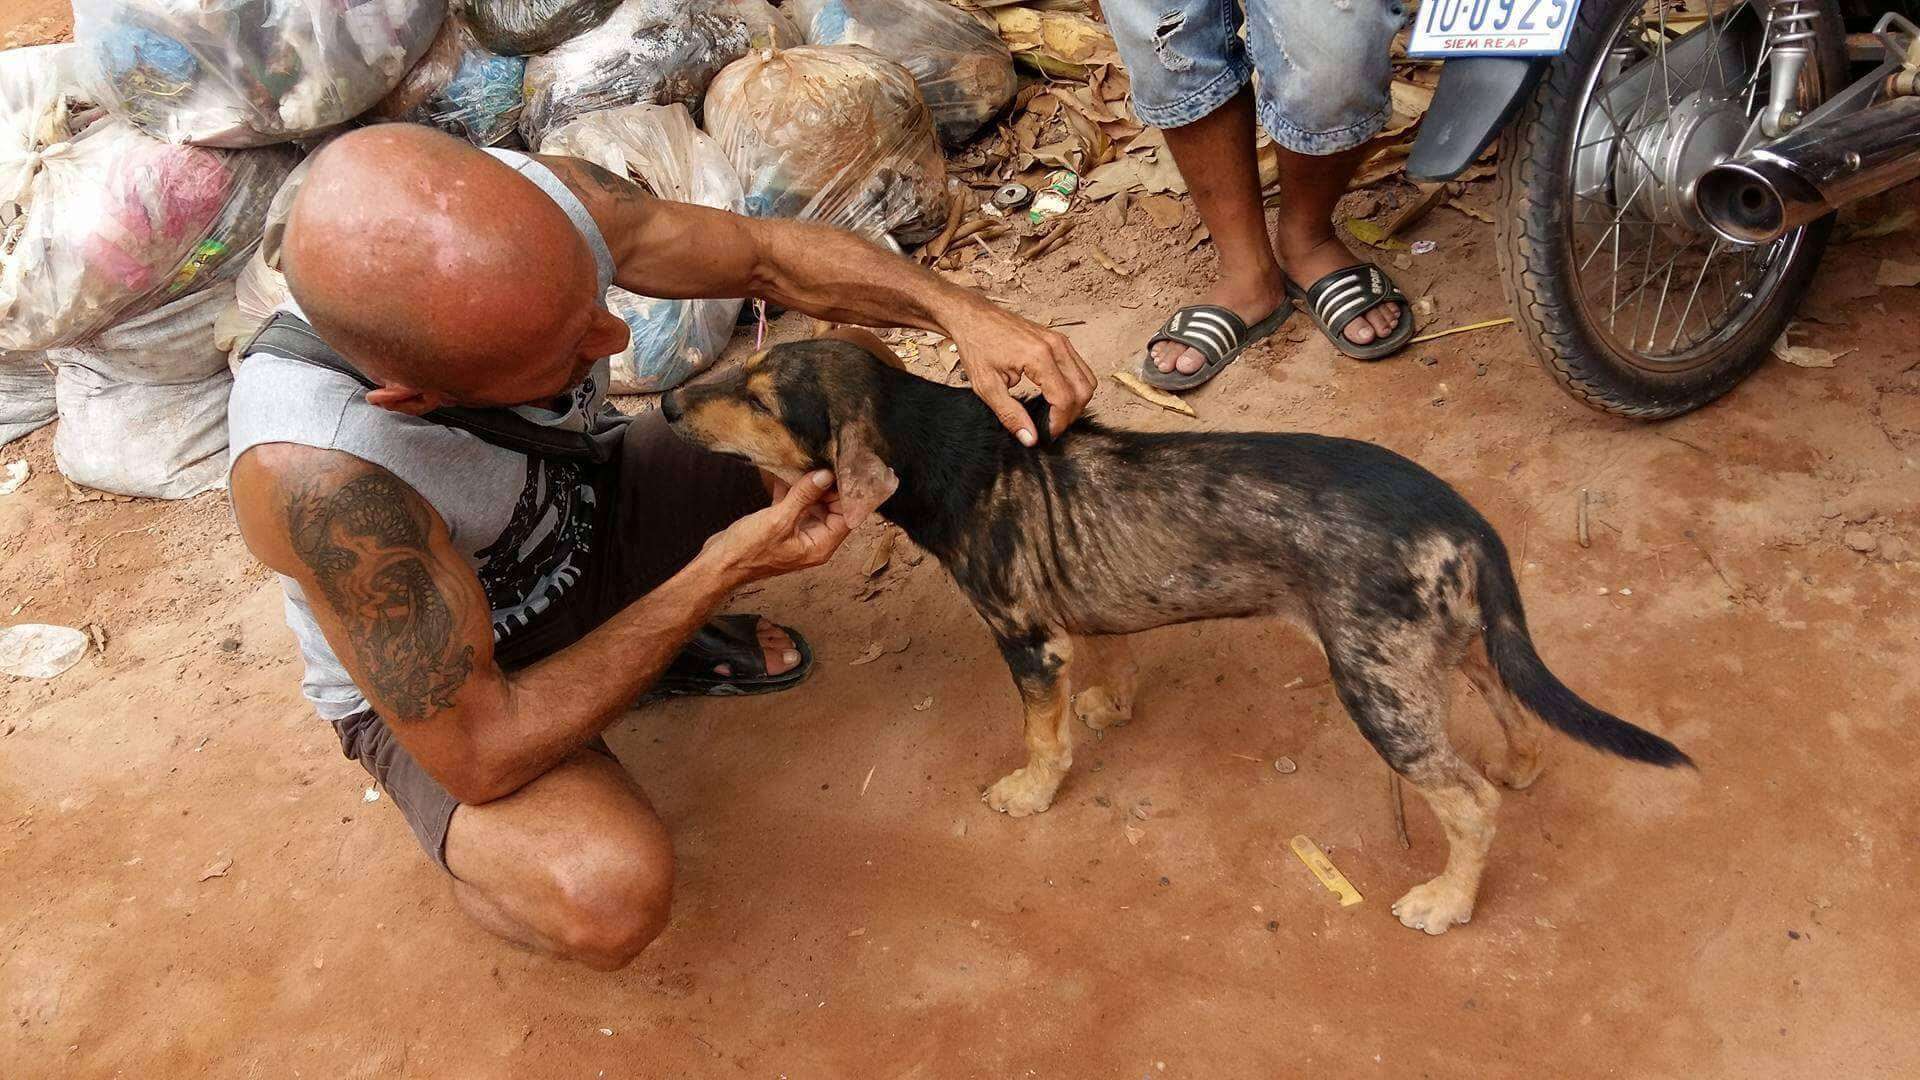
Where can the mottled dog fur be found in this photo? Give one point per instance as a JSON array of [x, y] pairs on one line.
[[1065, 547]]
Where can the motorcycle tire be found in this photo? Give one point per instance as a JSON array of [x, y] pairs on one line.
[[1536, 252]]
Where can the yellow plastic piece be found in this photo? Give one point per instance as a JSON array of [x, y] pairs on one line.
[[1323, 868]]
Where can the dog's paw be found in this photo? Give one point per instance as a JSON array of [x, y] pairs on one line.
[[1434, 907], [1516, 773], [1023, 791], [1097, 709]]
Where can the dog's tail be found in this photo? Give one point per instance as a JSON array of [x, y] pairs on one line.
[[1541, 692]]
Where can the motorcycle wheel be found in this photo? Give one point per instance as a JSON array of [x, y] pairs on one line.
[[1630, 302]]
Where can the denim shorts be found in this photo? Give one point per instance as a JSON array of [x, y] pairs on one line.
[[1323, 65]]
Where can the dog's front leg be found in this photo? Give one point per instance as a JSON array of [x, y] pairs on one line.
[[1039, 661]]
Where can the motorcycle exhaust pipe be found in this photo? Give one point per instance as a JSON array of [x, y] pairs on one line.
[[1773, 189]]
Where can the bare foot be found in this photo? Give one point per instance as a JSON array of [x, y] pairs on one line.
[[1252, 297], [776, 651], [1310, 258]]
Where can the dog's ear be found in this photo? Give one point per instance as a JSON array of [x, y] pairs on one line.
[[864, 338], [864, 480]]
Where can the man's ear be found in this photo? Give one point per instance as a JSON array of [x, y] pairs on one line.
[[863, 479], [403, 399]]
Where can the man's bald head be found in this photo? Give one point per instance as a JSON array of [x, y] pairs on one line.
[[435, 267]]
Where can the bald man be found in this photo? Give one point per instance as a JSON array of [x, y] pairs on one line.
[[473, 611]]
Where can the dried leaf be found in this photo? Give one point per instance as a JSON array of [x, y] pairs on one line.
[[1153, 394], [1473, 212], [1057, 42], [1135, 835], [218, 869], [1106, 261], [925, 704], [1373, 233], [882, 552], [873, 652], [1410, 214], [1806, 356], [1410, 103], [1198, 236], [1898, 221], [1895, 273], [1165, 211], [1114, 215]]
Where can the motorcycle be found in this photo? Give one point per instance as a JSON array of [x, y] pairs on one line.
[[1669, 172]]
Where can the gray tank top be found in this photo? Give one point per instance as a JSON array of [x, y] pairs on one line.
[[523, 524]]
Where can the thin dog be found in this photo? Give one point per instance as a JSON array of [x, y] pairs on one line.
[[1065, 547]]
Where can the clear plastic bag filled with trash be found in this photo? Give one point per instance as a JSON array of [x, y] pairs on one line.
[[652, 52], [237, 73], [768, 27], [659, 147], [523, 27], [104, 222], [461, 87], [837, 134], [964, 70]]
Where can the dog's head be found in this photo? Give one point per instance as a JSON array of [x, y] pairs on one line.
[[795, 407]]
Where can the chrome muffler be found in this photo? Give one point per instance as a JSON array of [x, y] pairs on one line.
[[1761, 195]]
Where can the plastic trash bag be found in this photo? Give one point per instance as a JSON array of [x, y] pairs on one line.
[[659, 146], [41, 651], [248, 72], [111, 222], [648, 52], [521, 27], [964, 70], [836, 134], [26, 395], [143, 407], [460, 87], [768, 27]]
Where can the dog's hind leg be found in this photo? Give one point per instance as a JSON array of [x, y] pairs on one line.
[[1522, 764], [1104, 675], [1038, 660], [1393, 681]]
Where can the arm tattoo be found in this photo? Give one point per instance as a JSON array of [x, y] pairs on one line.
[[366, 544], [603, 180]]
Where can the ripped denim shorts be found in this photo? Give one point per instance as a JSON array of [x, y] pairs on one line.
[[1323, 64]]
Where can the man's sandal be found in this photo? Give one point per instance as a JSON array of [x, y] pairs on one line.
[[1214, 332], [733, 640], [1336, 300]]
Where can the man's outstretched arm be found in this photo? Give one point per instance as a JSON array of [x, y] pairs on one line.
[[407, 616], [676, 250]]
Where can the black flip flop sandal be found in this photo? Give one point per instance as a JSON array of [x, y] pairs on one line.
[[1348, 293], [733, 640], [1216, 333]]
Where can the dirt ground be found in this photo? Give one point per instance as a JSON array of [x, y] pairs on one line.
[[847, 907]]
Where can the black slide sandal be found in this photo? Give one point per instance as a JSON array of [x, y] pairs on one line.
[[1214, 332], [1336, 300], [733, 640]]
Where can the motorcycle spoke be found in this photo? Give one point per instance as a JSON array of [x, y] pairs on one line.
[[1692, 295]]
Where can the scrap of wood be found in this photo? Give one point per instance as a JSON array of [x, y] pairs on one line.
[[1154, 394], [1042, 242], [1580, 521], [1430, 196], [1395, 795], [1106, 261], [1489, 324]]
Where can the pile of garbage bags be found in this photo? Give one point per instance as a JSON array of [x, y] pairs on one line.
[[26, 395], [648, 51], [236, 73], [461, 87], [963, 69], [837, 134]]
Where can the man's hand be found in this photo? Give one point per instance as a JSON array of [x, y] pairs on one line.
[[997, 347], [802, 529]]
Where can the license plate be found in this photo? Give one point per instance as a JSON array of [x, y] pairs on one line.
[[1445, 28]]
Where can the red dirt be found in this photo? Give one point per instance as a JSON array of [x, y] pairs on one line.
[[847, 907]]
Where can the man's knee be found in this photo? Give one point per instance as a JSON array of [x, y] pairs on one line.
[[612, 901]]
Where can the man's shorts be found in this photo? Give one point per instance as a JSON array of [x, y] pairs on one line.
[[658, 501], [1324, 65]]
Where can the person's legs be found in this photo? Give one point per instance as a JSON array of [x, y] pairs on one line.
[[1189, 71], [1324, 76]]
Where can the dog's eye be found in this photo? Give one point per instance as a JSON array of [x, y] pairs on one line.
[[757, 405]]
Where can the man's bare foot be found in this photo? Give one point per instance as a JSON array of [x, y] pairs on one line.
[[1253, 297], [777, 651], [1311, 258]]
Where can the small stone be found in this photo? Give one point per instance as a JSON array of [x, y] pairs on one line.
[[1273, 926], [1860, 540], [1284, 765], [1479, 370], [230, 645], [1626, 592], [1140, 812], [1429, 360], [1894, 549], [1602, 591], [1793, 935], [1102, 801], [1165, 880]]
